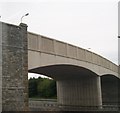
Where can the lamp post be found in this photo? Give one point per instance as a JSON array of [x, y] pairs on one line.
[[24, 16]]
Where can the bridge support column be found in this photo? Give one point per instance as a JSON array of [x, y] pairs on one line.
[[13, 67], [83, 92]]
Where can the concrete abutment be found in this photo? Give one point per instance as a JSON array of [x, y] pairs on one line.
[[14, 67]]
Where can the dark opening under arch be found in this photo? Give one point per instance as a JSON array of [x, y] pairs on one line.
[[76, 85], [63, 71], [110, 90]]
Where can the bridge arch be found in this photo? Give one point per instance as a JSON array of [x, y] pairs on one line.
[[63, 71], [46, 51], [76, 86], [40, 59]]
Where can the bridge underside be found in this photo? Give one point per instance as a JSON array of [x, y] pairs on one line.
[[63, 72], [80, 87], [76, 86]]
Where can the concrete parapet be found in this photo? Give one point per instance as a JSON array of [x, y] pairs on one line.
[[33, 38], [71, 51], [47, 45], [81, 54], [60, 48]]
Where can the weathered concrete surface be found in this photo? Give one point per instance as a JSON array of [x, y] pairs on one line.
[[46, 52], [14, 67]]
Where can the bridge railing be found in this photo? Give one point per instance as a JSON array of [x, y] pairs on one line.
[[43, 105], [53, 105]]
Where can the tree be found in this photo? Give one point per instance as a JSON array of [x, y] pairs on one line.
[[32, 87], [42, 88], [46, 88]]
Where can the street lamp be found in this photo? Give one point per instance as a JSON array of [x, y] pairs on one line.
[[24, 16]]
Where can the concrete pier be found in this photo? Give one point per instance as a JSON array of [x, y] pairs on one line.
[[85, 92]]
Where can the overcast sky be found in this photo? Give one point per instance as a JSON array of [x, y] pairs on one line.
[[84, 23], [87, 24]]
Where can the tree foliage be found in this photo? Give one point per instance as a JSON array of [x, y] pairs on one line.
[[42, 88], [32, 87]]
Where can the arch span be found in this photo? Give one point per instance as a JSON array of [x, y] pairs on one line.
[[76, 86], [44, 51], [64, 71]]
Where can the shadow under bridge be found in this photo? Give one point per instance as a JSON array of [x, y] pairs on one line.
[[76, 86]]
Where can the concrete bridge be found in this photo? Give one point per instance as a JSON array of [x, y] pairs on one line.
[[83, 77]]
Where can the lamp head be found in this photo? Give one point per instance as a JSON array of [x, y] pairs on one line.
[[26, 14]]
